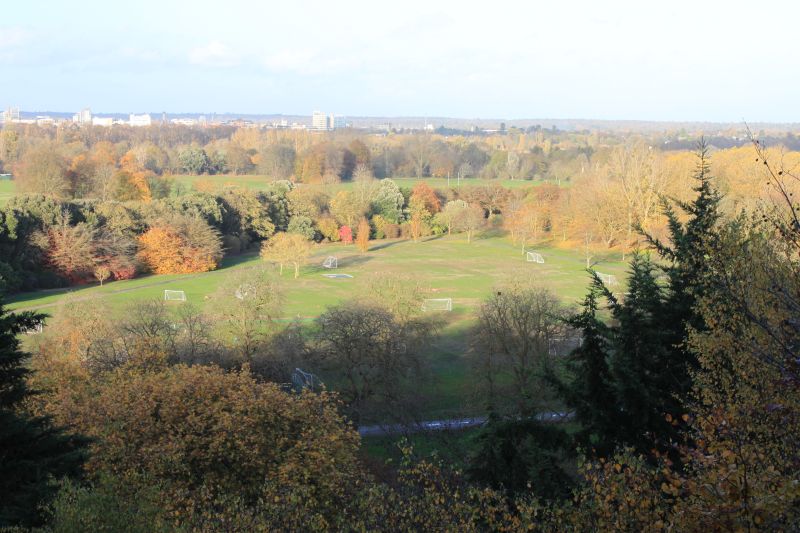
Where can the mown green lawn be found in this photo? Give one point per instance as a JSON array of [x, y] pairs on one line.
[[7, 190], [261, 182], [451, 267]]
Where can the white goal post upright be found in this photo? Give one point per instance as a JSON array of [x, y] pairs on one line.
[[437, 304], [177, 296], [331, 262], [534, 257]]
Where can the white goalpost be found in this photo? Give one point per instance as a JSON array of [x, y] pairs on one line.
[[534, 257], [437, 304], [608, 279], [304, 380], [244, 291], [176, 296], [330, 262]]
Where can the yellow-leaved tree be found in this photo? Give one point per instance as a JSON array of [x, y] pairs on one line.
[[287, 249]]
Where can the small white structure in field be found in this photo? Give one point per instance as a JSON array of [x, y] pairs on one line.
[[608, 279], [437, 304], [244, 291], [177, 296], [534, 257], [304, 381], [330, 262]]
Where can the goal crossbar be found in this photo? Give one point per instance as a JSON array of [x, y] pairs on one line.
[[178, 296], [437, 304]]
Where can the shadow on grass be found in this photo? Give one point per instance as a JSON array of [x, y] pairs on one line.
[[385, 245]]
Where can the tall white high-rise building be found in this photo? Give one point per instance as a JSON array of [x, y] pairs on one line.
[[11, 114], [322, 122], [83, 117], [319, 121]]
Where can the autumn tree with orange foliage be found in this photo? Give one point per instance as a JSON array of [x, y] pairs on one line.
[[137, 176], [423, 195], [362, 235], [180, 245]]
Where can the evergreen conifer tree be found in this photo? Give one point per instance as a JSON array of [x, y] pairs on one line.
[[33, 453], [645, 376], [590, 393]]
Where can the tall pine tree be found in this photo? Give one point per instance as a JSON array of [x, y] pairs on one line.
[[639, 369], [33, 453], [590, 393]]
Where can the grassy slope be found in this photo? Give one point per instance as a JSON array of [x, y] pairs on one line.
[[453, 268], [7, 190]]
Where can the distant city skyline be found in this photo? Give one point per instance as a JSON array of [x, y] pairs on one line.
[[680, 61]]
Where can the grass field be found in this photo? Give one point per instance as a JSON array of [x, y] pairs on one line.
[[453, 268], [262, 182], [259, 183], [7, 190]]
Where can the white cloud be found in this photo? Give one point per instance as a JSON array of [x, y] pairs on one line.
[[214, 54]]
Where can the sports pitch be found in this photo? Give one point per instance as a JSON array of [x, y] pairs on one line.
[[451, 267]]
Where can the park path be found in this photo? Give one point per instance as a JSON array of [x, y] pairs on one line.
[[452, 424]]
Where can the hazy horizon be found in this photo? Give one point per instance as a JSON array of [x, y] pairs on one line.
[[683, 62]]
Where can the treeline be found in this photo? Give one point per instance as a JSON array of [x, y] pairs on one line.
[[686, 403], [47, 241], [87, 155]]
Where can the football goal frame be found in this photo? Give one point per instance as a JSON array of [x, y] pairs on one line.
[[534, 257], [437, 304], [330, 262], [302, 380], [174, 296], [608, 279]]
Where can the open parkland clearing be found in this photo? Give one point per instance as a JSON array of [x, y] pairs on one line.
[[448, 265]]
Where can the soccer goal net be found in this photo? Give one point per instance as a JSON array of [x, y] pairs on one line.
[[245, 290], [178, 296], [437, 304], [330, 262], [534, 257], [304, 380], [608, 279]]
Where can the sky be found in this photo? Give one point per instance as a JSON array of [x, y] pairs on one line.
[[672, 60]]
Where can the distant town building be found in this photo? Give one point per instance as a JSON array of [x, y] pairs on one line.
[[11, 114], [336, 122], [323, 122], [140, 120], [184, 121], [319, 121], [44, 120], [102, 121], [83, 117]]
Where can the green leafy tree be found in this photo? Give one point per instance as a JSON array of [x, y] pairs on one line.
[[388, 201], [194, 160]]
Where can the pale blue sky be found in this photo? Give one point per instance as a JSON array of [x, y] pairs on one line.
[[666, 60]]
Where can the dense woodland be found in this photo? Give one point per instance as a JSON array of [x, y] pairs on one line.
[[684, 391], [102, 203]]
